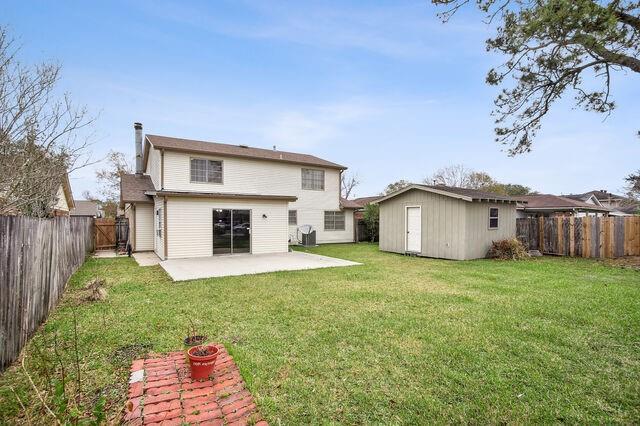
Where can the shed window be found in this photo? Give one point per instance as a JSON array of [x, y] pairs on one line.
[[293, 217], [493, 218], [313, 179], [333, 221], [207, 171]]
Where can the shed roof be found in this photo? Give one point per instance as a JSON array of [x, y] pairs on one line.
[[455, 192], [240, 151]]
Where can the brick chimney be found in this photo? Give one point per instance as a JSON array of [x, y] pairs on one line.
[[138, 130]]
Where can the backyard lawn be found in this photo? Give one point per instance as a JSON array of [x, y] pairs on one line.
[[396, 340]]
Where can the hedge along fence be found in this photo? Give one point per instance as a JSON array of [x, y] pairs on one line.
[[37, 257], [602, 237]]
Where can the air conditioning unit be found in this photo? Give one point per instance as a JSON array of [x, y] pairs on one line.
[[306, 236]]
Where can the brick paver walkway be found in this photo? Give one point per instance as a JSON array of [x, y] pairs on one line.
[[161, 392]]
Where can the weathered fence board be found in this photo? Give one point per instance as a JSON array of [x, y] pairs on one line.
[[601, 237], [37, 257]]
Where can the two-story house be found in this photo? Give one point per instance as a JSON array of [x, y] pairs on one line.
[[192, 198]]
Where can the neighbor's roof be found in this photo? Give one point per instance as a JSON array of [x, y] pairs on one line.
[[349, 204], [133, 188], [455, 192], [555, 202], [240, 151], [84, 208], [363, 201], [599, 194]]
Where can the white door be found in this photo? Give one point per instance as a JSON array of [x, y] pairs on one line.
[[414, 229]]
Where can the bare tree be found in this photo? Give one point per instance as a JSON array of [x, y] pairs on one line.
[[348, 184], [40, 134], [109, 182], [456, 175], [460, 176], [395, 186]]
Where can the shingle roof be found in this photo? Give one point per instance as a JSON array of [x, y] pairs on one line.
[[242, 151], [133, 188], [455, 192], [599, 194], [548, 201], [349, 204], [472, 193], [84, 208], [363, 201]]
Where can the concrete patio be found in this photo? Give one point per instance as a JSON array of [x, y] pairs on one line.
[[245, 264]]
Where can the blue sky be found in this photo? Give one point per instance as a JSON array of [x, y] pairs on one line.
[[383, 87]]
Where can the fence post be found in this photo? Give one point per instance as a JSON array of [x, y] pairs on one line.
[[541, 234], [572, 234]]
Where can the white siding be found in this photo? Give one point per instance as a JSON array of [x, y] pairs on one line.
[[61, 200], [190, 225], [154, 167], [248, 176], [158, 240], [144, 227]]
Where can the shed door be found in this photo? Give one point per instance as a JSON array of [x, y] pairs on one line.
[[414, 229]]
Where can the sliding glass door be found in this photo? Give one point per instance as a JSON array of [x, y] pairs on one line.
[[231, 231]]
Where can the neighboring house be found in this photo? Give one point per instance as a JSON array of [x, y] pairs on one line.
[[359, 204], [547, 205], [192, 198], [64, 199], [86, 208], [618, 204], [445, 222]]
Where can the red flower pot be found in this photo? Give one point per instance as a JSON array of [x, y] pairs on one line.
[[202, 360]]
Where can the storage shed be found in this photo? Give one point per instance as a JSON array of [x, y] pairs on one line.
[[445, 222]]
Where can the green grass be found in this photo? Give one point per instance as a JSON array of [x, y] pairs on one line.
[[397, 340]]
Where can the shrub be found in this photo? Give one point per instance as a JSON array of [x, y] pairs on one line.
[[508, 249]]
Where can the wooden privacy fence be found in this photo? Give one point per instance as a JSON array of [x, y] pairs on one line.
[[37, 257], [581, 236]]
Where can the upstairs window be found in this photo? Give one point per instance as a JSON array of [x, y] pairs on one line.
[[293, 217], [333, 221], [493, 218], [206, 171], [313, 179]]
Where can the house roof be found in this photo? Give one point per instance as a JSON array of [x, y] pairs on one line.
[[133, 188], [239, 151], [555, 202], [629, 209], [455, 192], [221, 195], [84, 208]]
